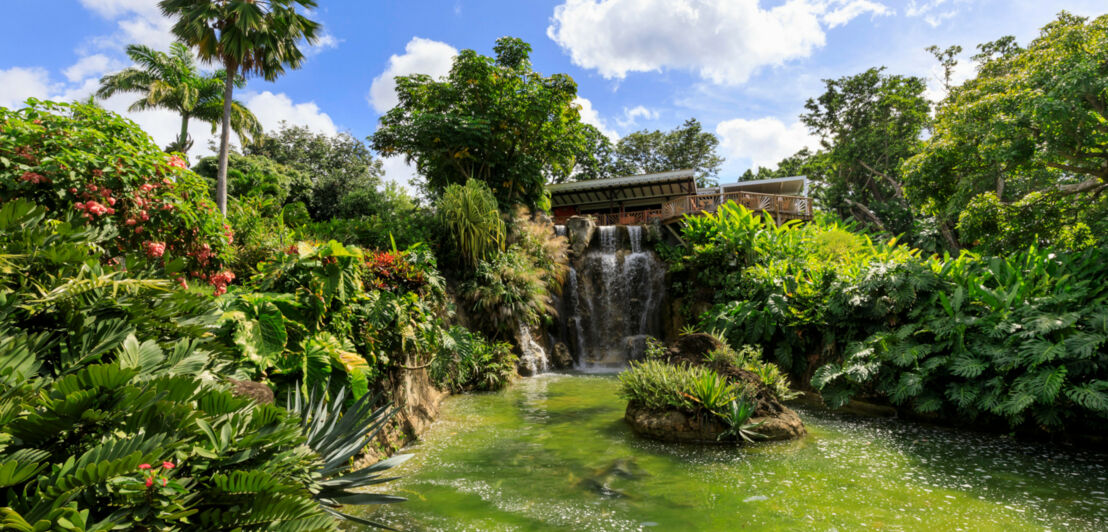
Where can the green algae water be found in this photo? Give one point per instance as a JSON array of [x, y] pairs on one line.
[[553, 453]]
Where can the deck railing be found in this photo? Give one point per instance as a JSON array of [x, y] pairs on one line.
[[781, 207]]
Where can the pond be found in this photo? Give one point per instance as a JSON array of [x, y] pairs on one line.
[[553, 453]]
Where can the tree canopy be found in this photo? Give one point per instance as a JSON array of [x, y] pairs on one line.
[[492, 119], [868, 124], [339, 166], [1018, 153], [687, 146]]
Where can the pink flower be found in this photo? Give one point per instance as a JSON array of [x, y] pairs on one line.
[[176, 162], [167, 465], [130, 221], [165, 482], [147, 187], [111, 201], [149, 482], [79, 206], [32, 177], [154, 250], [184, 284], [144, 466]]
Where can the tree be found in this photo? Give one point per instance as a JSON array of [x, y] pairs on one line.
[[247, 37], [172, 81], [1030, 132], [249, 175], [687, 146], [594, 158], [868, 123], [801, 163], [339, 166], [491, 119]]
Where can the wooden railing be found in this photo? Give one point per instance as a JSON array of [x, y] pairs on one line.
[[782, 208]]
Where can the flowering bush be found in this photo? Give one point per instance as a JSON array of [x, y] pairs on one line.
[[110, 174]]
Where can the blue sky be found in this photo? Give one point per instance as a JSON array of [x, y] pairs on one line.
[[742, 67]]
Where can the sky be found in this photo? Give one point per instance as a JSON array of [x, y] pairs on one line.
[[744, 68]]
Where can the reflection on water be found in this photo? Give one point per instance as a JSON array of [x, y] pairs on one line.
[[553, 453]]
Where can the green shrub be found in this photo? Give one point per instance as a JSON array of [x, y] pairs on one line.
[[465, 361], [1020, 338], [260, 232], [111, 414], [660, 386], [472, 221], [76, 158], [256, 176], [508, 290]]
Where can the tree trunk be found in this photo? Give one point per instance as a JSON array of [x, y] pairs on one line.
[[184, 138], [225, 141], [948, 235]]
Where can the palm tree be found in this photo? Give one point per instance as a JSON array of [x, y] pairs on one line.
[[247, 37], [172, 81]]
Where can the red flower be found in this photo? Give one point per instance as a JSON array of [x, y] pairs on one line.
[[154, 250], [32, 177], [149, 482], [144, 466], [177, 162], [167, 465]]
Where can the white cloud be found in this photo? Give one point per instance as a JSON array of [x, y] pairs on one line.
[[933, 12], [724, 41], [90, 65], [17, 84], [421, 56], [271, 109], [591, 116], [764, 141], [398, 171], [326, 41], [846, 11], [631, 116], [139, 22]]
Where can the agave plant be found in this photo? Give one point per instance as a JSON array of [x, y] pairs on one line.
[[739, 412], [337, 435]]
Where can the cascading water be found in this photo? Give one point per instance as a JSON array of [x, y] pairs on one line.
[[612, 299]]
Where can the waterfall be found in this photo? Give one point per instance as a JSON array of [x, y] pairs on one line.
[[612, 299], [534, 357]]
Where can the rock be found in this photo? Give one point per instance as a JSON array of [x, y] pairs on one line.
[[693, 347], [562, 358], [257, 391], [786, 425], [677, 426], [673, 425], [580, 231]]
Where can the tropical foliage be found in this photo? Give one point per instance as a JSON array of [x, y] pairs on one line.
[[113, 412], [473, 225], [84, 160], [1017, 338]]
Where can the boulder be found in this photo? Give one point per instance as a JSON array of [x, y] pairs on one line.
[[673, 425], [257, 391], [677, 426], [562, 358], [692, 347], [580, 231]]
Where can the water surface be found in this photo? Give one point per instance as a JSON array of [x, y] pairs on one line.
[[553, 453]]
